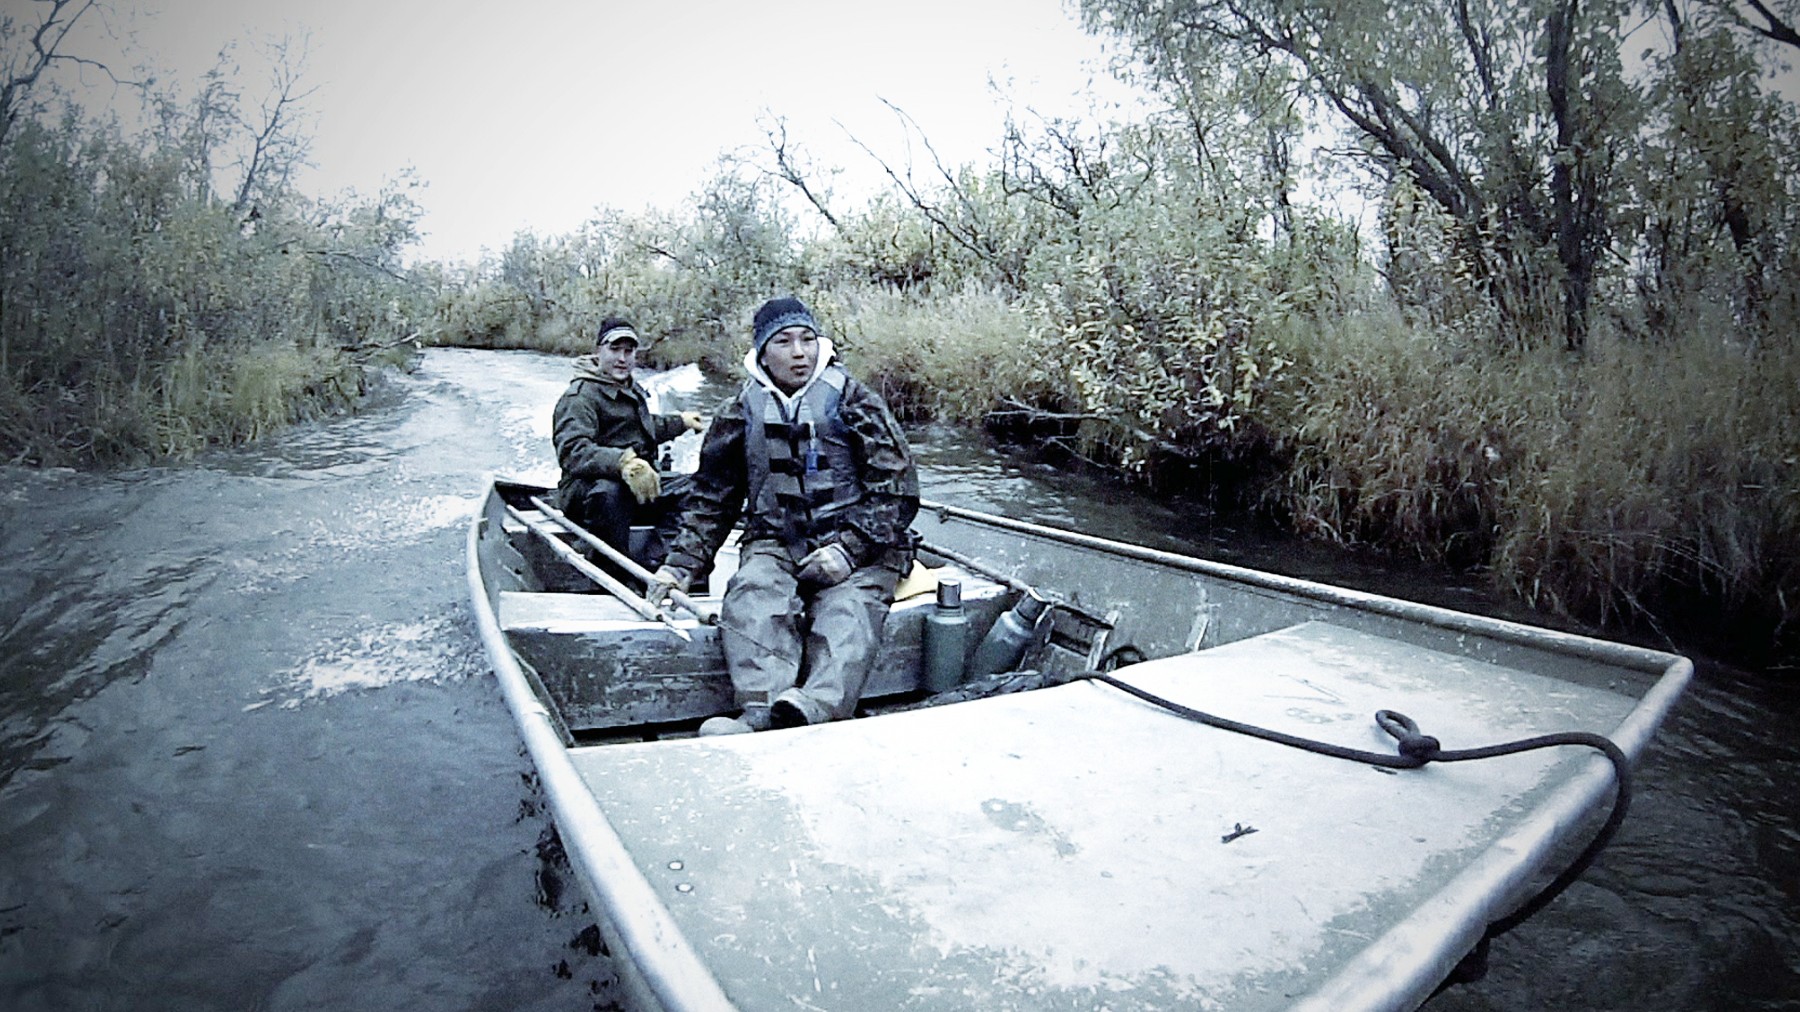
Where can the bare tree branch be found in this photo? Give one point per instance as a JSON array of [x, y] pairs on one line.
[[46, 46], [666, 254], [1773, 26], [357, 258], [966, 234], [788, 169], [1077, 178], [276, 148]]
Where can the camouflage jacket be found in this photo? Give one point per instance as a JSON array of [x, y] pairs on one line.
[[875, 529]]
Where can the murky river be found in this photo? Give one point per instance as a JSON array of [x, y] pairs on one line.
[[251, 756]]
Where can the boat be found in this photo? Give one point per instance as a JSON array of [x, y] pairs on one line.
[[1127, 819]]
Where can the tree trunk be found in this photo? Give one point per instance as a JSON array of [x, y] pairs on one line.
[[1573, 244]]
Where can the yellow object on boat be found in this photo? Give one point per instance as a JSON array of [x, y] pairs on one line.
[[922, 580]]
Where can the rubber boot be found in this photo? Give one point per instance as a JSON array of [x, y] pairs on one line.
[[752, 719]]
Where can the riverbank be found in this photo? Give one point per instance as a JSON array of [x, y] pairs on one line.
[[143, 318], [1649, 489]]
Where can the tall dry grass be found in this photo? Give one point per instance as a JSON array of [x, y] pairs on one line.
[[208, 397], [1646, 484], [946, 357], [1398, 435], [1667, 491]]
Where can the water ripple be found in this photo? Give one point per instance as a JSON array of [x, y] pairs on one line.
[[377, 656]]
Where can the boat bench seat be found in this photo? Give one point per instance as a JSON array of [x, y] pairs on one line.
[[607, 667]]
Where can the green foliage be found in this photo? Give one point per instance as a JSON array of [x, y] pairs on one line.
[[140, 317], [1718, 214], [1159, 322], [203, 397], [1515, 122], [487, 314], [689, 283], [943, 356], [887, 243]]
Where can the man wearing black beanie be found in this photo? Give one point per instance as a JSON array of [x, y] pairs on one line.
[[815, 463]]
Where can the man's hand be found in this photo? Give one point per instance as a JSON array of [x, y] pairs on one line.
[[692, 420], [639, 476], [663, 582], [825, 566]]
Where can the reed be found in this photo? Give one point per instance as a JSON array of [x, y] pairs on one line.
[[947, 357], [1398, 435], [203, 398], [1643, 484], [1666, 493]]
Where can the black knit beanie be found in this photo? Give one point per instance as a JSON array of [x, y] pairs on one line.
[[777, 315]]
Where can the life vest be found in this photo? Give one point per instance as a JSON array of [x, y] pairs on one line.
[[801, 468]]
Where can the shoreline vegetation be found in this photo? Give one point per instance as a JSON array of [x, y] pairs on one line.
[[1563, 357]]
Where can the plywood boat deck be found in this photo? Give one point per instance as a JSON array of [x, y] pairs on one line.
[[1104, 848]]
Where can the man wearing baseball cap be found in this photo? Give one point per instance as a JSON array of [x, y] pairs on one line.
[[606, 440]]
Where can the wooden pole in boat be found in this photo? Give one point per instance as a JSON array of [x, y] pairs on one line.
[[632, 599], [632, 566], [629, 564]]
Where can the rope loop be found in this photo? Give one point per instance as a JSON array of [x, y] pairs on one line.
[[1405, 731]]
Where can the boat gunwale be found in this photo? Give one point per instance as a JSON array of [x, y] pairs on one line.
[[1414, 956], [645, 934], [1661, 663]]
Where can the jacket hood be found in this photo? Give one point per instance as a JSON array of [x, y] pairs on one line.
[[588, 367], [827, 355]]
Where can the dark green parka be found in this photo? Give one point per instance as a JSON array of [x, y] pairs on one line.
[[596, 421]]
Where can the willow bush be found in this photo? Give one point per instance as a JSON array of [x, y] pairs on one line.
[[142, 318], [884, 244], [690, 281], [1160, 324], [488, 314], [933, 356]]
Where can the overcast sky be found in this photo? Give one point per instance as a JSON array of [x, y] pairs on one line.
[[533, 113]]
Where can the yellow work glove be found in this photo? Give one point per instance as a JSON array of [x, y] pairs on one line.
[[692, 420], [639, 476], [826, 566]]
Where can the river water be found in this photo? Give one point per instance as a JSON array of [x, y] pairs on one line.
[[251, 756]]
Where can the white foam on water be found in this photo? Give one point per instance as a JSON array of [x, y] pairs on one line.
[[371, 659]]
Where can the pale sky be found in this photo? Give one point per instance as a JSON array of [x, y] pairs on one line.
[[532, 114]]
